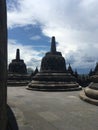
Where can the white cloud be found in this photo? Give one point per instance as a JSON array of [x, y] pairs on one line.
[[36, 37], [73, 22], [31, 57]]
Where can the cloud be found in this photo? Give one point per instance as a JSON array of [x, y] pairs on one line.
[[36, 37], [31, 57], [73, 22]]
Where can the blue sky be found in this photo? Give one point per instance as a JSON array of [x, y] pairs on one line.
[[30, 35], [74, 23]]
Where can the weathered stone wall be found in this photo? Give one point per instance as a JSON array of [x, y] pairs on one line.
[[3, 64]]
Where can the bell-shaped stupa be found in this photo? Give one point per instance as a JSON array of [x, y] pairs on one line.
[[17, 71], [17, 65], [53, 74], [53, 60], [90, 93]]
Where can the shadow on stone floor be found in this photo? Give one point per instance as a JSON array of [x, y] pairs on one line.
[[12, 124]]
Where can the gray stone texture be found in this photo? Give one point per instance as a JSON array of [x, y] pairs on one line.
[[38, 110]]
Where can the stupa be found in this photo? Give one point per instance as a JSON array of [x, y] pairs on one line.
[[53, 74], [70, 70], [17, 65], [90, 93], [34, 73], [17, 72]]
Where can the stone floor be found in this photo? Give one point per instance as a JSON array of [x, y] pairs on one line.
[[36, 110]]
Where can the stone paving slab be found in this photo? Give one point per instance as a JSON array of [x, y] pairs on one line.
[[37, 110]]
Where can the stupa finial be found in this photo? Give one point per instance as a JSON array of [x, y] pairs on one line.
[[18, 54], [53, 45]]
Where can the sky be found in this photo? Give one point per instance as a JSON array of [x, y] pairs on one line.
[[74, 23]]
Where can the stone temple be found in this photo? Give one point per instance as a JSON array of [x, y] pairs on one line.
[[90, 93], [17, 72], [53, 74]]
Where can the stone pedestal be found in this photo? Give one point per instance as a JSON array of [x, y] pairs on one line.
[[54, 82], [18, 79], [3, 65], [90, 93]]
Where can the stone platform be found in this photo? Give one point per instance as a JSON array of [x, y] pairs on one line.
[[38, 110], [54, 82], [18, 79]]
